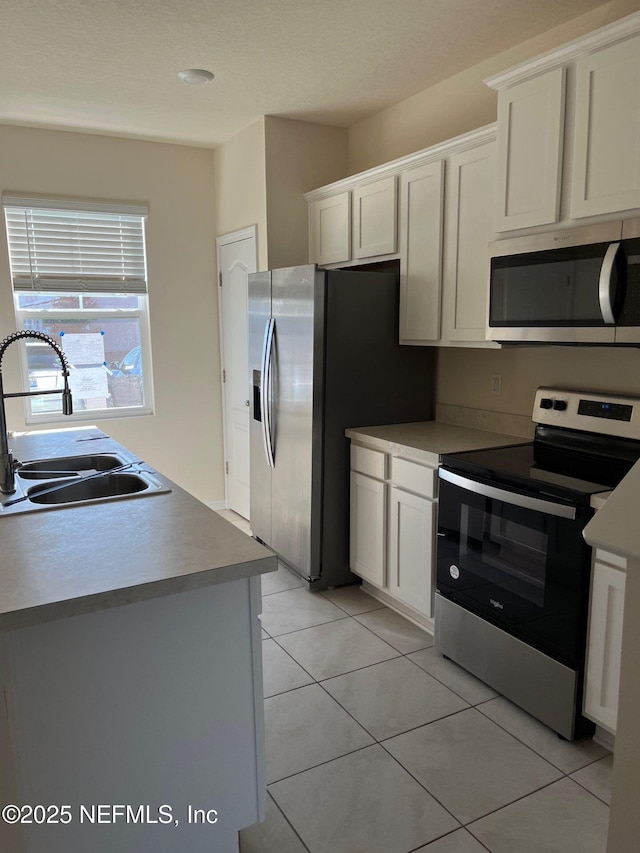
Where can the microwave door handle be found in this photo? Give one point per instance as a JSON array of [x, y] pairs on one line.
[[525, 501], [265, 392], [605, 284]]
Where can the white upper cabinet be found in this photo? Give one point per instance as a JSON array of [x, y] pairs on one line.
[[354, 224], [530, 138], [331, 229], [374, 218], [468, 205], [421, 197], [434, 211], [569, 131], [606, 163]]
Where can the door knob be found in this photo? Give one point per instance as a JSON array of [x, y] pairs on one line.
[[247, 403]]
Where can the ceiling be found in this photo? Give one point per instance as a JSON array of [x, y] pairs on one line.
[[110, 66]]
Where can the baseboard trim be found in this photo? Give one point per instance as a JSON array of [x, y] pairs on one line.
[[392, 603], [605, 738], [216, 505]]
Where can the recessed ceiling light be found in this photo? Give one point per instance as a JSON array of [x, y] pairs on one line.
[[194, 76]]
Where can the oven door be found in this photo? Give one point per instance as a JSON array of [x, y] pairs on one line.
[[517, 560]]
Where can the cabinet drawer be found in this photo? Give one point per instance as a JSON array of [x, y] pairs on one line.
[[612, 559], [367, 461], [414, 477]]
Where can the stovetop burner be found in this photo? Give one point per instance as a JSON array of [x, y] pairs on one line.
[[585, 443], [575, 480]]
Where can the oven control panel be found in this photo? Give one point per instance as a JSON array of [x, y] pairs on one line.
[[589, 411]]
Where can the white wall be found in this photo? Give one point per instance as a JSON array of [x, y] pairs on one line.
[[261, 174], [240, 186], [184, 437], [464, 376], [462, 102], [299, 157]]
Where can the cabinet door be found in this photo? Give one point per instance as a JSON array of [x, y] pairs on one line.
[[367, 535], [530, 137], [468, 230], [411, 549], [332, 229], [374, 218], [421, 192], [606, 166], [604, 645]]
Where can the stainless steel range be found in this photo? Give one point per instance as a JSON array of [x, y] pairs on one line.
[[513, 569]]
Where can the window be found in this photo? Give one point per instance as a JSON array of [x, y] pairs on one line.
[[78, 272]]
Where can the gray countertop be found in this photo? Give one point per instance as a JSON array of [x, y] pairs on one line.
[[65, 561], [615, 527], [427, 441]]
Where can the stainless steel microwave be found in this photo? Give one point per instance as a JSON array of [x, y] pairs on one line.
[[580, 286]]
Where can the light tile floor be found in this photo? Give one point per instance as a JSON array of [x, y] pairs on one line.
[[377, 744]]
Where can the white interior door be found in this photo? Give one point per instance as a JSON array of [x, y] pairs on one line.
[[237, 258]]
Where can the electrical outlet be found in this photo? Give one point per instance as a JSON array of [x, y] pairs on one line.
[[496, 383]]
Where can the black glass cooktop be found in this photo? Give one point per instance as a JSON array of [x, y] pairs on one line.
[[564, 471]]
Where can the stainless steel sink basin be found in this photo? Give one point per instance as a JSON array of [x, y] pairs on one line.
[[94, 488], [67, 481], [69, 466]]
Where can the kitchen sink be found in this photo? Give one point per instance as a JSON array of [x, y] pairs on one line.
[[69, 466], [68, 481], [93, 488]]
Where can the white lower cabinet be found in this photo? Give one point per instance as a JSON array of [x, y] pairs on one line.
[[410, 554], [368, 528], [604, 640], [392, 534]]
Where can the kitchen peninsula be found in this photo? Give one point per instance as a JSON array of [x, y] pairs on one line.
[[131, 670], [615, 530]]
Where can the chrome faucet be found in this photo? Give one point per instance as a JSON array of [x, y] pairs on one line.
[[8, 464]]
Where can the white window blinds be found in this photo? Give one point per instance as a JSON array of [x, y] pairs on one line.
[[75, 246]]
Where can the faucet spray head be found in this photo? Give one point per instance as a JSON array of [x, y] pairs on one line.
[[32, 334], [67, 402]]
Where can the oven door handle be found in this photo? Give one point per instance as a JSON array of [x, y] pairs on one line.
[[536, 504]]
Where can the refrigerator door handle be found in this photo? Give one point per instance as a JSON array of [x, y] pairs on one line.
[[265, 393]]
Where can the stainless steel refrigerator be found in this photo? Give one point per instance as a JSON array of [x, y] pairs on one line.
[[323, 356]]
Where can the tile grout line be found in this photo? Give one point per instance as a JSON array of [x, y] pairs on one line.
[[424, 787], [308, 627], [323, 593], [565, 773], [319, 682], [296, 662], [411, 652], [446, 835], [322, 763], [453, 690], [295, 831], [584, 787], [513, 802]]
